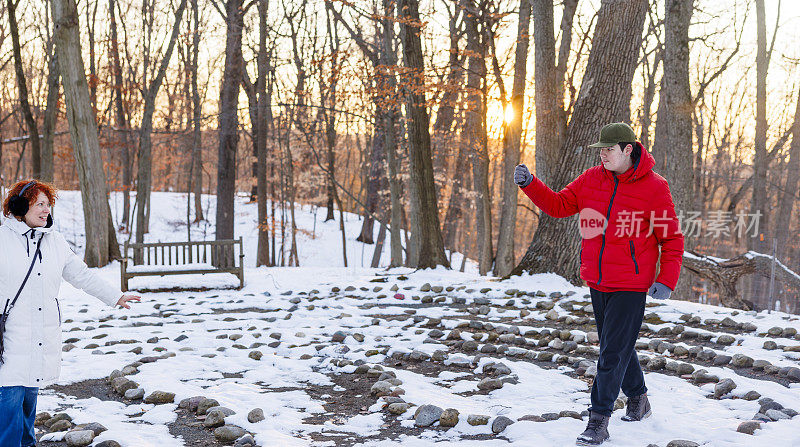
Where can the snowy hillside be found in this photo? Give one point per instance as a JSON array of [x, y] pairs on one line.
[[348, 356]]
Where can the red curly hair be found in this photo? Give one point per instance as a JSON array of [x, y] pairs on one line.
[[31, 193]]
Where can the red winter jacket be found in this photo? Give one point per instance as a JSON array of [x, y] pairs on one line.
[[626, 255]]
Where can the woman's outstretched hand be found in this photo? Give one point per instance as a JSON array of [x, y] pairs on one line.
[[522, 177], [125, 298]]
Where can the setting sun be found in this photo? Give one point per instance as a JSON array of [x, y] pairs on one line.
[[508, 115]]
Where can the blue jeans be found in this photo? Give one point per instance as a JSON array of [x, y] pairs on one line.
[[17, 413], [619, 317]]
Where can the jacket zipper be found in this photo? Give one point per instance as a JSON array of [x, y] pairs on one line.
[[633, 256], [59, 312], [603, 243]]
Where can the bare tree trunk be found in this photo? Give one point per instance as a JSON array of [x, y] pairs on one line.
[[264, 120], [100, 237], [455, 216], [511, 147], [759, 202], [604, 97], [144, 182], [50, 116], [760, 163], [119, 116], [549, 84], [782, 224], [647, 102], [388, 82], [675, 142], [329, 117], [297, 116], [229, 121], [376, 254], [22, 87], [331, 158], [445, 116], [396, 246], [374, 179], [91, 21], [197, 152], [428, 248], [474, 132], [377, 154]]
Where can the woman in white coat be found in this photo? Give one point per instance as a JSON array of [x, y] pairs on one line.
[[33, 260]]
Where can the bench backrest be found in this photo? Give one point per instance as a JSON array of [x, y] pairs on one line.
[[221, 254]]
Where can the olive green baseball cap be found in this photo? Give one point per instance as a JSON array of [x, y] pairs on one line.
[[614, 133]]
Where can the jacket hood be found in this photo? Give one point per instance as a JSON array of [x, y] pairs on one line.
[[640, 169]]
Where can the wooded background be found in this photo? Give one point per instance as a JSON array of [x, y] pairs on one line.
[[413, 114]]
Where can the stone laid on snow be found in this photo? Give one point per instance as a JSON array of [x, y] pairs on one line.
[[726, 340], [255, 415], [214, 418], [229, 433], [398, 408], [190, 403], [751, 395], [79, 438], [381, 388], [777, 415], [122, 384], [500, 423], [490, 384], [205, 404], [245, 441], [160, 397], [95, 427], [108, 443], [682, 443], [61, 425], [427, 415], [134, 394], [741, 361], [449, 418], [724, 387], [41, 418], [748, 427], [477, 419]]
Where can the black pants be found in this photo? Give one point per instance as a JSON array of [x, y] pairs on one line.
[[619, 317]]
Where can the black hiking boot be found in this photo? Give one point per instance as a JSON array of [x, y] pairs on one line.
[[596, 430], [638, 408]]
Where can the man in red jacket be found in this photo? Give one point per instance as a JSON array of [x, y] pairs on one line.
[[631, 246]]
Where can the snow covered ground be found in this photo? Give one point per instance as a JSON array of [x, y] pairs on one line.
[[314, 325]]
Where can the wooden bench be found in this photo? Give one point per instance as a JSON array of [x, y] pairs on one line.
[[181, 258]]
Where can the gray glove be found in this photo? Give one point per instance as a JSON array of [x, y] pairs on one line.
[[659, 291], [522, 177]]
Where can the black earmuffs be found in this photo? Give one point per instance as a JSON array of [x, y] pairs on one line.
[[19, 205]]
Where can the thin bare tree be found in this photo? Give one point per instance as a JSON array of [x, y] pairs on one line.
[[511, 146], [427, 248], [22, 89], [149, 94], [101, 241]]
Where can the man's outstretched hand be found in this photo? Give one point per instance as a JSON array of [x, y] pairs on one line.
[[125, 298], [522, 176]]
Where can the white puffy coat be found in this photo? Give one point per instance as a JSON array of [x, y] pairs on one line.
[[32, 355]]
